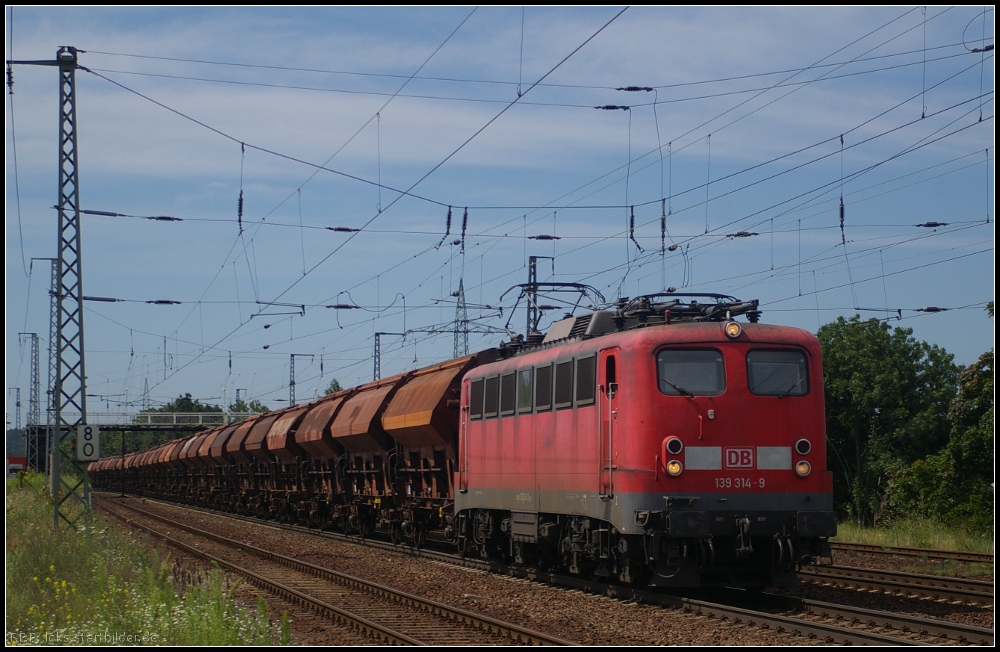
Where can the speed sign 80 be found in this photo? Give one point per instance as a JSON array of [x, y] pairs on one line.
[[88, 443]]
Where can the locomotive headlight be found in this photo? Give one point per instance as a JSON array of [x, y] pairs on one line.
[[733, 329], [674, 445], [803, 468], [803, 446], [674, 468]]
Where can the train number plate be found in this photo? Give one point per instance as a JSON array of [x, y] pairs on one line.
[[739, 483]]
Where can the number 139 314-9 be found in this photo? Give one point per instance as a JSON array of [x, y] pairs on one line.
[[739, 483]]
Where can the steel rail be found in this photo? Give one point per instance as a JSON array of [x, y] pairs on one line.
[[906, 584], [364, 626], [941, 630], [829, 633], [923, 553], [513, 633]]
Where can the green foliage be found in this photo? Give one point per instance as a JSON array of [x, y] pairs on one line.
[[955, 485], [915, 532], [186, 404], [98, 587], [887, 398], [333, 387], [253, 407], [139, 440]]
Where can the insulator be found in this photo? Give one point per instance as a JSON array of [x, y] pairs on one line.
[[631, 229], [447, 230]]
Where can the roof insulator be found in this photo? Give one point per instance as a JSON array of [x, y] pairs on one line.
[[104, 213]]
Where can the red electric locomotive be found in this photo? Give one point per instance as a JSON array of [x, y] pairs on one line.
[[663, 444]]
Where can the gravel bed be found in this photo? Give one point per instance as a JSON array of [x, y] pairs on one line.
[[306, 628], [583, 618], [907, 564], [926, 607]]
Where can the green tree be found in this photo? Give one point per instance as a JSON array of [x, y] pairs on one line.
[[887, 400], [253, 407], [333, 387], [956, 484], [186, 404]]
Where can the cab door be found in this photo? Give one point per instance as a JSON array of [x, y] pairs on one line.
[[607, 416]]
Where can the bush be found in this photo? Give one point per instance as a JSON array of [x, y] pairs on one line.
[[101, 587]]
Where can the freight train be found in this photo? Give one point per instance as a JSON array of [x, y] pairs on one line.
[[661, 443]]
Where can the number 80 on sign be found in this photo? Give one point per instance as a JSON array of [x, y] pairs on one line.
[[88, 443]]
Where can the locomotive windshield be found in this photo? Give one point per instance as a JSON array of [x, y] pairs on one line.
[[777, 373], [686, 372]]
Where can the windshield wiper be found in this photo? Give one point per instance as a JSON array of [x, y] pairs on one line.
[[680, 390], [789, 390]]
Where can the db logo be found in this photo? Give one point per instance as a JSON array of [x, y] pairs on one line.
[[739, 458]]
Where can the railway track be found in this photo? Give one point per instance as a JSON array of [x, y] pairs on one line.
[[376, 611], [937, 631], [976, 592], [815, 621], [919, 553]]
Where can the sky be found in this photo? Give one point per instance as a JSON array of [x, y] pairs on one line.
[[351, 134]]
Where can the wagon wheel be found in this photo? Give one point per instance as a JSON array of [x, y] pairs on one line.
[[395, 534]]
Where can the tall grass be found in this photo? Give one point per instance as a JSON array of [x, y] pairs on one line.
[[103, 587], [915, 533]]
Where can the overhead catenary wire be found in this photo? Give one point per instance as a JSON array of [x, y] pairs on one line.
[[436, 167], [657, 87], [572, 234]]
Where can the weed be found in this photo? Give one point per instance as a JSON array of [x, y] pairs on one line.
[[99, 587]]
